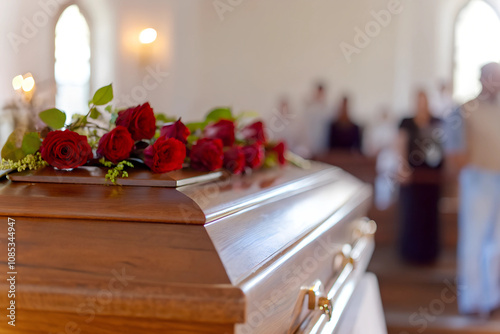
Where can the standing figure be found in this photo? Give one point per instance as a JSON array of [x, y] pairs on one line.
[[379, 140], [344, 133], [443, 104], [314, 134], [473, 141], [421, 153]]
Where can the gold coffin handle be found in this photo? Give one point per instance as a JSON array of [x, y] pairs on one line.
[[325, 303], [349, 256]]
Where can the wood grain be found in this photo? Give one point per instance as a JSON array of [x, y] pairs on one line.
[[139, 177], [201, 258], [230, 195], [31, 322], [99, 202], [274, 289], [175, 272], [247, 240]]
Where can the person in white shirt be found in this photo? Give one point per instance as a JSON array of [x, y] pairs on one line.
[[380, 142], [472, 142], [443, 103], [315, 123]]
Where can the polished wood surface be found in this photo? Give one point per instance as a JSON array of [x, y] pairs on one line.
[[162, 271], [276, 287], [248, 239], [203, 257], [139, 177], [99, 202], [240, 193], [33, 322]]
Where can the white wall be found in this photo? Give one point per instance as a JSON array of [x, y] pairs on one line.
[[260, 51], [263, 50], [25, 35]]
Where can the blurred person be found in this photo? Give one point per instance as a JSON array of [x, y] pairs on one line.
[[421, 153], [473, 138], [443, 104], [344, 133], [314, 121], [380, 134], [379, 141]]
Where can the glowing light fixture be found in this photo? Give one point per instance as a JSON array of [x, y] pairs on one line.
[[17, 82], [148, 36], [28, 83]]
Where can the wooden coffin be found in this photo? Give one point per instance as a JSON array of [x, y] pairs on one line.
[[279, 251]]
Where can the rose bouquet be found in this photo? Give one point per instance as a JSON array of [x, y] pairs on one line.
[[118, 139]]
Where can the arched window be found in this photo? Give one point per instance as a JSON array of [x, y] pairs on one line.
[[477, 42], [72, 66]]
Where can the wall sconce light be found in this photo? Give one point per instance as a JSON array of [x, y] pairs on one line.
[[28, 83], [148, 36], [17, 82], [25, 85]]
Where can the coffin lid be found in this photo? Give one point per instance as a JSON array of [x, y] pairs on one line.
[[193, 204]]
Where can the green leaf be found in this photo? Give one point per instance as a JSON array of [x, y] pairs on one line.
[[164, 118], [12, 149], [218, 114], [193, 127], [247, 114], [109, 108], [103, 96], [191, 139], [94, 113], [113, 118], [271, 159], [75, 117], [31, 143], [54, 118]]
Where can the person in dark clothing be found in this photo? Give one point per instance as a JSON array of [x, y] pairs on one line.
[[344, 133], [422, 154]]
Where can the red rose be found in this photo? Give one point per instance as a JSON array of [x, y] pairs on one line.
[[234, 160], [65, 149], [116, 145], [254, 155], [140, 121], [280, 150], [175, 130], [254, 132], [207, 154], [165, 155], [223, 130]]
